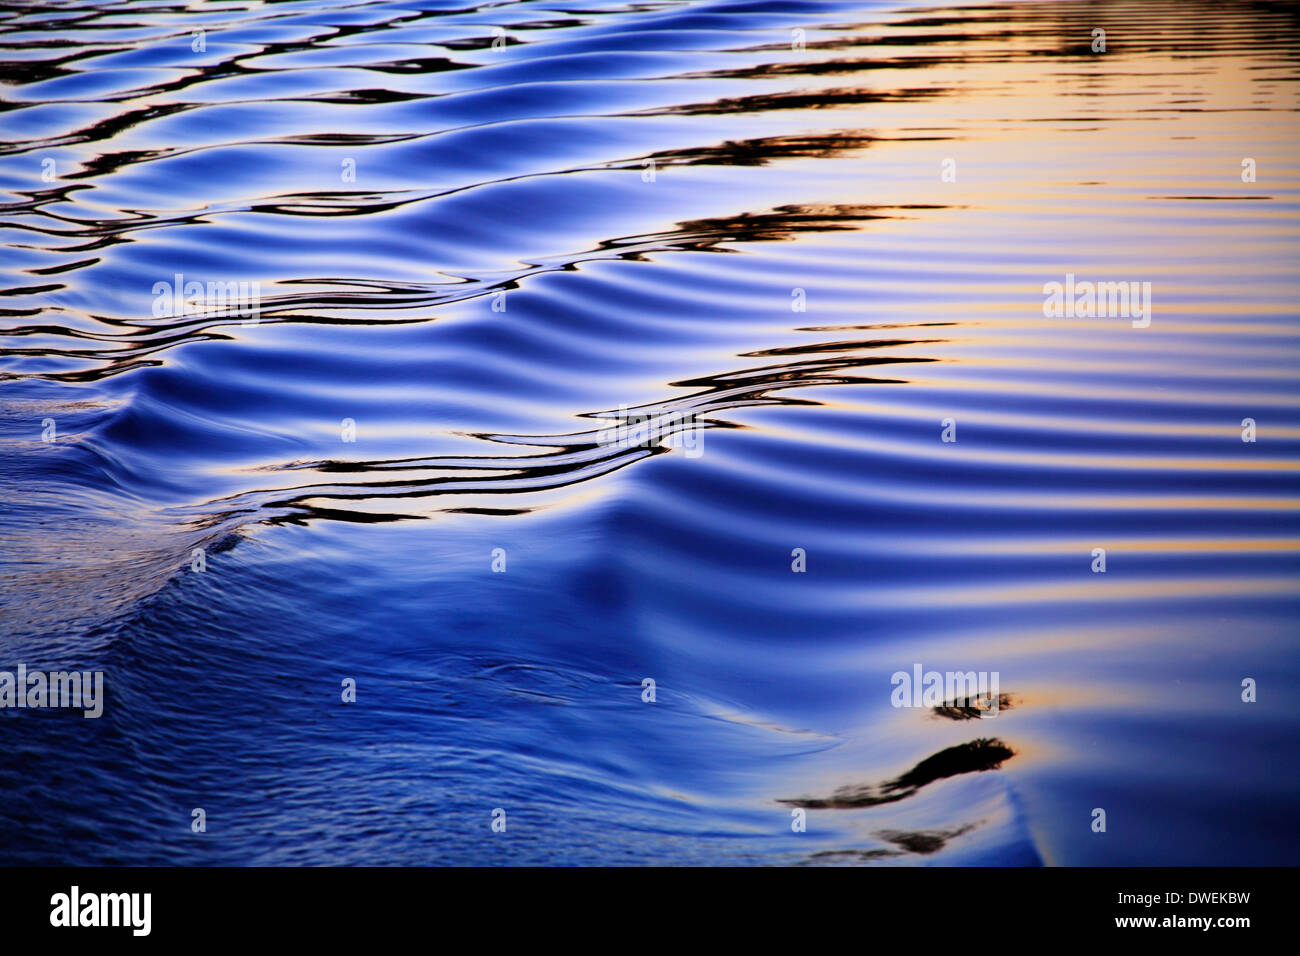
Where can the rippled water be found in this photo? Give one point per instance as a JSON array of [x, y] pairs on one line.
[[481, 235]]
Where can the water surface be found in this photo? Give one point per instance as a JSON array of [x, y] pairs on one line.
[[480, 235]]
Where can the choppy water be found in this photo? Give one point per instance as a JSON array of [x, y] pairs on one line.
[[657, 188]]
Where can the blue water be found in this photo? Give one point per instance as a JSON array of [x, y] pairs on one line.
[[478, 233]]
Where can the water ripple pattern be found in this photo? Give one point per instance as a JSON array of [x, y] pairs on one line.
[[623, 395]]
